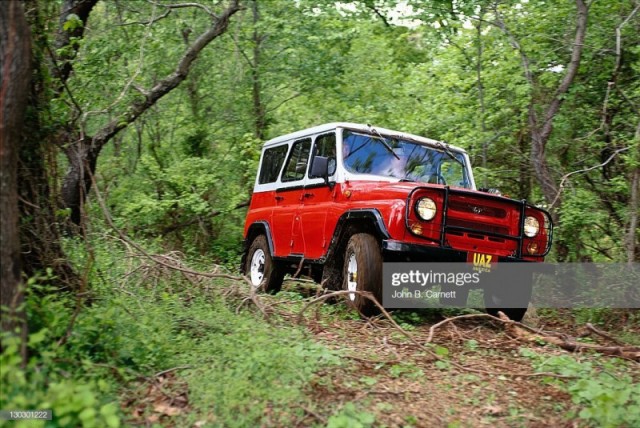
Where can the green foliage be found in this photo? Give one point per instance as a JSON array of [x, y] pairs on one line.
[[73, 21], [53, 378], [606, 392], [239, 365], [180, 172], [350, 417], [175, 178]]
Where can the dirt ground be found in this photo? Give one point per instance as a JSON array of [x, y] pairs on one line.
[[467, 373], [402, 385]]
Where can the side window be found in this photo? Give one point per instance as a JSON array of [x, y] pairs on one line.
[[326, 146], [272, 163], [297, 162]]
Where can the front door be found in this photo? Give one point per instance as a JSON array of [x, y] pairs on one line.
[[288, 197], [317, 199]]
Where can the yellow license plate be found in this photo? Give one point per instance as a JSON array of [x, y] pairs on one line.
[[482, 262]]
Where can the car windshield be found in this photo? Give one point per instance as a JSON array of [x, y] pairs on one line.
[[402, 159]]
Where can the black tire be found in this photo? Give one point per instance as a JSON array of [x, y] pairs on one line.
[[317, 275], [264, 273], [495, 297], [363, 272]]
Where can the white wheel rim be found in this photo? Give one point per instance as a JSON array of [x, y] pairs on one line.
[[257, 267], [352, 276]]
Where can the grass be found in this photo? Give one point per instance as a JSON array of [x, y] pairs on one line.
[[222, 368], [153, 347]]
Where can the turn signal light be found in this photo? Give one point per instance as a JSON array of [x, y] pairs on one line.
[[416, 228]]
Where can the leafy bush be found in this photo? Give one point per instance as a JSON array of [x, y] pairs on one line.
[[52, 379], [606, 393]]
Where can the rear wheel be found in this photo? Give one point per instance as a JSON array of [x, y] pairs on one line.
[[263, 272], [363, 272]]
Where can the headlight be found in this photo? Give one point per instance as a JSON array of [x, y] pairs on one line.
[[531, 226], [426, 208]]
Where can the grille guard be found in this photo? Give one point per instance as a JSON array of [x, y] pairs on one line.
[[521, 205]]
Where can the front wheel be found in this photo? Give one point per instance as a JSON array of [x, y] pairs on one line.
[[513, 303], [264, 273], [363, 272]]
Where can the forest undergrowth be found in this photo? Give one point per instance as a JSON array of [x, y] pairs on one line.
[[153, 343]]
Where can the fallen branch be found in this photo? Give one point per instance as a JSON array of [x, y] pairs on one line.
[[570, 343], [523, 332], [601, 333], [172, 369]]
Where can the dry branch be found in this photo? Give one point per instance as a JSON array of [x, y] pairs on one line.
[[568, 343], [523, 332]]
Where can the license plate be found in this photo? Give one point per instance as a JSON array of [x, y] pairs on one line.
[[482, 262]]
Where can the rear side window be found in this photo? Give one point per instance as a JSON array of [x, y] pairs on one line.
[[298, 159], [272, 164]]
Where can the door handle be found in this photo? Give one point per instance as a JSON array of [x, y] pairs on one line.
[[307, 195], [279, 198]]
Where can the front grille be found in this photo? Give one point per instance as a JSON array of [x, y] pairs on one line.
[[477, 209], [477, 227]]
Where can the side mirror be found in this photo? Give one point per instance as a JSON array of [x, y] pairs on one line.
[[321, 167]]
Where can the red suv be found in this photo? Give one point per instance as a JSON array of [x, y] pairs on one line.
[[336, 200]]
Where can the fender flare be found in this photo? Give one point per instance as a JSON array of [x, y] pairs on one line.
[[260, 227], [349, 217]]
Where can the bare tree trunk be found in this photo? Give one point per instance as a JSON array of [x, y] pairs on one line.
[[480, 86], [39, 232], [524, 168], [83, 158], [541, 131], [15, 73], [259, 113]]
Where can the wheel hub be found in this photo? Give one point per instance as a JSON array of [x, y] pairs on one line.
[[352, 276], [256, 272]]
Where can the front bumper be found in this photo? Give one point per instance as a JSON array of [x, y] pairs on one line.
[[398, 251]]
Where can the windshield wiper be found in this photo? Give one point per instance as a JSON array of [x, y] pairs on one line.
[[383, 141], [445, 148]]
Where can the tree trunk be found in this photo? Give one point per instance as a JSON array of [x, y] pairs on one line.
[[542, 126], [524, 181], [634, 206], [39, 232], [15, 73], [82, 9], [83, 158], [259, 111], [480, 88], [541, 130]]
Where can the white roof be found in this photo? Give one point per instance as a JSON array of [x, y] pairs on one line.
[[358, 127]]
